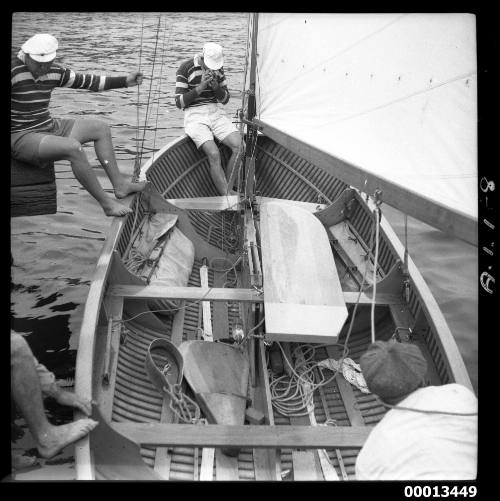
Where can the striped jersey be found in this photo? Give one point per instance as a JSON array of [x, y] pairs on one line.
[[30, 97], [188, 77]]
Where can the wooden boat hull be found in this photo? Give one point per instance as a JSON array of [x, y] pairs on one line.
[[131, 405]]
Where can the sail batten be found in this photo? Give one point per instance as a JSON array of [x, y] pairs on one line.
[[392, 96]]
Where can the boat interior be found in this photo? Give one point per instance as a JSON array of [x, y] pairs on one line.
[[228, 261]]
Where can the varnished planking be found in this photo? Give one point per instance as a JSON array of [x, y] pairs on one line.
[[302, 293]]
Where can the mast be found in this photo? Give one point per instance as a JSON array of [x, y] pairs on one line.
[[251, 138]]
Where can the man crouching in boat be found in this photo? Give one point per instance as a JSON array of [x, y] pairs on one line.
[[31, 380], [200, 86], [37, 138], [430, 433]]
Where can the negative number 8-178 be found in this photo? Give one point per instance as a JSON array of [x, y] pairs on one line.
[[440, 491]]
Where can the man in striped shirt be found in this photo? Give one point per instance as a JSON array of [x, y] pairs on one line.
[[200, 86], [37, 138]]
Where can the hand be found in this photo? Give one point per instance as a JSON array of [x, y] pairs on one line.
[[214, 83], [134, 78], [206, 78]]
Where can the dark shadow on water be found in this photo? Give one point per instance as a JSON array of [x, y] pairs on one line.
[[49, 341]]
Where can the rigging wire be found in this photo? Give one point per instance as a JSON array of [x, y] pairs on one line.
[[160, 81], [138, 154], [151, 83]]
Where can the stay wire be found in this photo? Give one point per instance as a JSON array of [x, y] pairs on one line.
[[158, 92], [151, 82], [138, 157]]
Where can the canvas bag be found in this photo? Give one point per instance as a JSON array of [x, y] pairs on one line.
[[175, 263]]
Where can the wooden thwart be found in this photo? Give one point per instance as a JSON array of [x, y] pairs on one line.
[[217, 435], [188, 293], [303, 297], [158, 291]]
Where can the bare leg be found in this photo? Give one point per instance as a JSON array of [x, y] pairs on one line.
[[216, 171], [27, 394], [233, 141], [65, 148], [94, 130], [71, 399]]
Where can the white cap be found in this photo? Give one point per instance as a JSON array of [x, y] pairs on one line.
[[212, 55], [41, 47]]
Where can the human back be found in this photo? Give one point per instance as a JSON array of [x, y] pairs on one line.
[[429, 433], [435, 440]]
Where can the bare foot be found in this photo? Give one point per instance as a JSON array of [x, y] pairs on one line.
[[70, 399], [113, 208], [58, 437], [127, 187], [19, 462]]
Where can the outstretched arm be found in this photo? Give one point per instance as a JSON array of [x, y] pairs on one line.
[[97, 83]]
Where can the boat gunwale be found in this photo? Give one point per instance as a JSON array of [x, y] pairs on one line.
[[87, 337], [100, 281]]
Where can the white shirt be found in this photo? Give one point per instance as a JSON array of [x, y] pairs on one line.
[[408, 445]]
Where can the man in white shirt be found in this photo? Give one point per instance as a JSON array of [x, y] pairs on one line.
[[430, 433]]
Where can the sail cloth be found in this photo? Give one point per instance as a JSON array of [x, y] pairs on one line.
[[394, 95]]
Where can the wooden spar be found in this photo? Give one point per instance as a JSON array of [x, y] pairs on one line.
[[249, 161], [257, 436], [454, 223]]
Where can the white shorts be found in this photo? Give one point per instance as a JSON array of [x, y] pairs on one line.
[[202, 123]]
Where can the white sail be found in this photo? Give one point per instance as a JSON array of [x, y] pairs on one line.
[[392, 98]]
